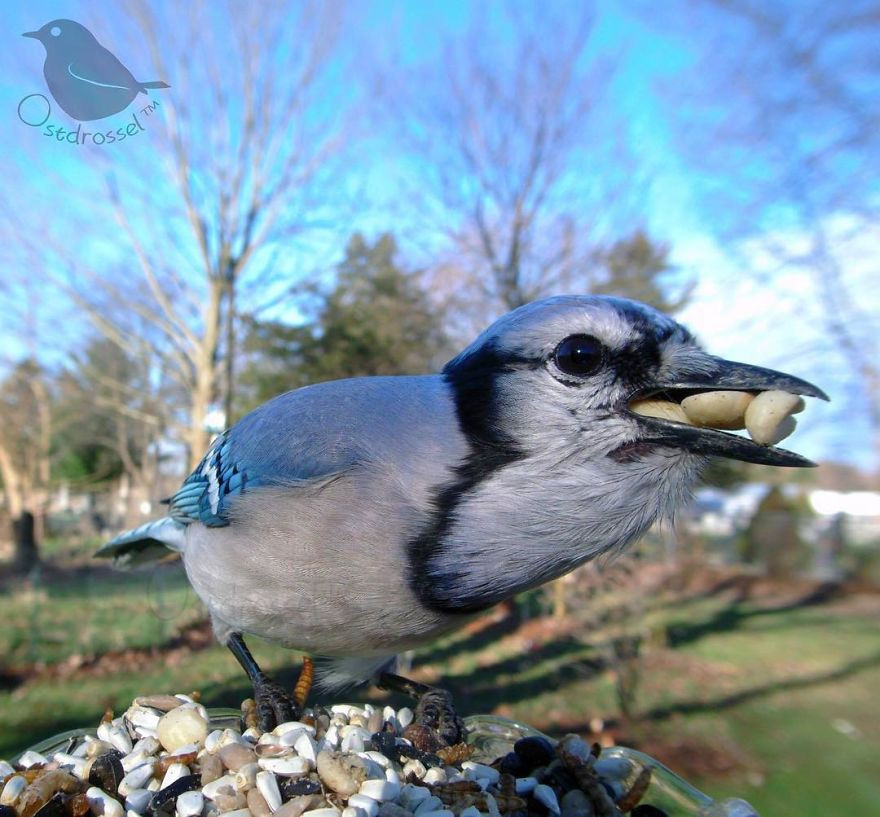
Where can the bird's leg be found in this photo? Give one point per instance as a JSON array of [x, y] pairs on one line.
[[274, 705], [434, 710], [304, 682]]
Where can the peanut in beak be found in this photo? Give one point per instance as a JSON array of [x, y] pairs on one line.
[[766, 416]]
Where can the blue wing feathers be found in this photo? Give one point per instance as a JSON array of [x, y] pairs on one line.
[[301, 440], [311, 433], [203, 497], [205, 494]]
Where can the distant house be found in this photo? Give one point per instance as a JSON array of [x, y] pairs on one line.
[[859, 512], [717, 512]]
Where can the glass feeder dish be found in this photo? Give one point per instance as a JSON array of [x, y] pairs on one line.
[[640, 785]]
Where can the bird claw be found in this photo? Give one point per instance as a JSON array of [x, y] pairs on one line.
[[274, 705], [435, 723], [436, 727], [436, 712]]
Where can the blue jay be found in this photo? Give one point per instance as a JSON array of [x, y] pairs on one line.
[[359, 518]]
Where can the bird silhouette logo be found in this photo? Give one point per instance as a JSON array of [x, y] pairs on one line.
[[86, 79]]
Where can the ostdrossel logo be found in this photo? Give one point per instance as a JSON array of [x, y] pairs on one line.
[[87, 82]]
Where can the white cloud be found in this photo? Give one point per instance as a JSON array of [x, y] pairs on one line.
[[749, 306]]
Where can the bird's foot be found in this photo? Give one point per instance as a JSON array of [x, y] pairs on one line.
[[436, 712], [274, 705], [436, 725]]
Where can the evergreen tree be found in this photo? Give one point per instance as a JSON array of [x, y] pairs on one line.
[[94, 397], [637, 267], [376, 320]]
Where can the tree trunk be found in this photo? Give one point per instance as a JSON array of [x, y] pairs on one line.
[[560, 598], [205, 376], [26, 555], [229, 384]]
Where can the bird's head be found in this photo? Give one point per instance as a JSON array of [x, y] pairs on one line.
[[67, 33], [564, 462], [586, 371]]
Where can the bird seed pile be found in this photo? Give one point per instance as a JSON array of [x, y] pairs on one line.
[[164, 757]]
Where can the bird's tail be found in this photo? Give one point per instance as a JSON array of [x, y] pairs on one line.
[[155, 84], [147, 543]]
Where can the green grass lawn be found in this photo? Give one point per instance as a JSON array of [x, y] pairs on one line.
[[772, 701], [86, 612], [795, 692]]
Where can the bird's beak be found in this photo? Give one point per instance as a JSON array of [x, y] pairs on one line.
[[34, 34], [717, 375]]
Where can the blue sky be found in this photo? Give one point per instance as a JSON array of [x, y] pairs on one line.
[[645, 58], [770, 324]]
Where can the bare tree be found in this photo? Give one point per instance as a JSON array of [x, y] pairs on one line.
[[249, 141], [520, 166], [25, 438], [26, 416], [781, 117], [239, 162]]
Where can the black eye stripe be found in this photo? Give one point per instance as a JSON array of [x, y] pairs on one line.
[[580, 355]]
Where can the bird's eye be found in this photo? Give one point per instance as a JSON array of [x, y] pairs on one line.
[[579, 354], [55, 31]]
